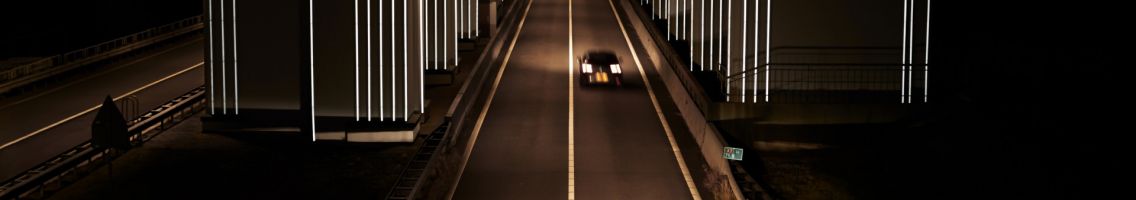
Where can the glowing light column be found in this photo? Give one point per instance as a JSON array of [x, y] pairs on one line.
[[745, 24], [356, 11], [393, 63], [312, 66], [903, 58], [236, 82], [702, 37], [729, 41], [212, 105], [382, 111], [224, 78], [369, 55], [926, 51], [756, 45], [768, 60], [405, 63]]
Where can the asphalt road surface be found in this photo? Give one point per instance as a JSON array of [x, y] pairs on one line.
[[620, 148], [24, 115]]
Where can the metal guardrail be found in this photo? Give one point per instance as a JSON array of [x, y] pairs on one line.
[[439, 162], [66, 168], [693, 102], [21, 75]]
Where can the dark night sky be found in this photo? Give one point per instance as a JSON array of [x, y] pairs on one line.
[[45, 28]]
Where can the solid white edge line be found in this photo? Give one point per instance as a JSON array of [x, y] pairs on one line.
[[658, 111], [84, 112], [571, 108], [488, 102]]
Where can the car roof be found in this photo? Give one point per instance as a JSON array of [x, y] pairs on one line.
[[601, 57]]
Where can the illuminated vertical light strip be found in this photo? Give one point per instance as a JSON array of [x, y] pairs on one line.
[[236, 82], [712, 35], [768, 23], [756, 45], [745, 24], [369, 55], [911, 55], [393, 62], [382, 111], [421, 59], [729, 42], [477, 18], [682, 20], [459, 18], [445, 36], [224, 87], [926, 51], [212, 105], [685, 19], [432, 30], [455, 38], [405, 63], [718, 39], [356, 60], [903, 57], [702, 37], [470, 17], [691, 41], [312, 65], [426, 41], [666, 16]]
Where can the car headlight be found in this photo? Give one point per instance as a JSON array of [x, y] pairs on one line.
[[587, 68], [615, 69]]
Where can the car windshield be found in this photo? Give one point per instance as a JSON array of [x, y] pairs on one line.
[[601, 58]]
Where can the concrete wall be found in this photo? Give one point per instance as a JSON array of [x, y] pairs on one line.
[[273, 54], [729, 36]]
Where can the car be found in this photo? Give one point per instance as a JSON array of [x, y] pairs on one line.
[[600, 67]]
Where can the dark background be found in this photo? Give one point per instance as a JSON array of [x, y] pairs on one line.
[[45, 28], [1029, 101]]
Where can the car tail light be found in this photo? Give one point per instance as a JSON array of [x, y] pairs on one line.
[[587, 68], [615, 69]]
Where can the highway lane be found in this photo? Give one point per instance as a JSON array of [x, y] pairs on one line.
[[620, 148], [622, 151], [27, 115], [521, 151]]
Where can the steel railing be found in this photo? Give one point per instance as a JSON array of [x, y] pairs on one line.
[[52, 175], [21, 75]]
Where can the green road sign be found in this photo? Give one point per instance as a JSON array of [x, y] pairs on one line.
[[732, 153]]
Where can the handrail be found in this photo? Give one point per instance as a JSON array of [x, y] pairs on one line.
[[82, 157], [21, 75]]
